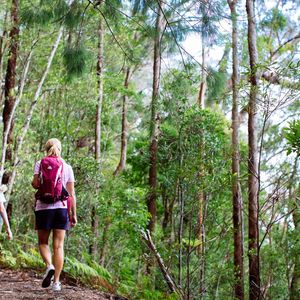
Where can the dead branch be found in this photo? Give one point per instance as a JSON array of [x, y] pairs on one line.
[[172, 285]]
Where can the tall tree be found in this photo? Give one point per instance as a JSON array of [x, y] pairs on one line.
[[122, 162], [295, 282], [151, 201], [98, 131], [100, 88], [253, 172], [3, 46], [10, 78], [235, 168]]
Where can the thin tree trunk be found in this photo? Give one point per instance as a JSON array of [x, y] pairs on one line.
[[151, 201], [18, 99], [293, 272], [236, 189], [98, 131], [201, 220], [253, 172], [201, 248], [10, 78], [3, 46], [122, 163], [202, 89], [171, 283], [180, 235], [103, 250], [100, 89], [95, 225], [295, 282]]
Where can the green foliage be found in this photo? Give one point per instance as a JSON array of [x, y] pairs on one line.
[[74, 15], [44, 12], [30, 259], [74, 58], [85, 272], [194, 150], [7, 259], [216, 82], [292, 134], [275, 20]]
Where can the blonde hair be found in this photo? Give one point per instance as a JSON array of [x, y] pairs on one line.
[[53, 147]]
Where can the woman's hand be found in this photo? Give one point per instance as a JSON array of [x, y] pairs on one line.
[[35, 181], [9, 234], [73, 220]]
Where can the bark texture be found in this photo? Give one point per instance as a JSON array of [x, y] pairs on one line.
[[295, 283], [253, 172], [122, 162], [236, 189], [95, 232], [18, 99], [100, 90], [3, 47], [203, 85], [151, 201], [10, 78]]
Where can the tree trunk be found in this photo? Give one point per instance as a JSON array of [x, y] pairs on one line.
[[151, 201], [10, 78], [100, 58], [201, 238], [95, 225], [100, 89], [295, 283], [3, 46], [168, 278], [253, 172], [180, 235], [18, 99], [202, 89], [103, 250], [236, 189], [122, 163]]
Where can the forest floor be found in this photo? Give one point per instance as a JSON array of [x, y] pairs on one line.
[[26, 285]]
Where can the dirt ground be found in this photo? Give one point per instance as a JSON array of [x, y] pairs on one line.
[[27, 285]]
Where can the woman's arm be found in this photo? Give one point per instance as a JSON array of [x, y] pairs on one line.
[[71, 191], [5, 220], [35, 181]]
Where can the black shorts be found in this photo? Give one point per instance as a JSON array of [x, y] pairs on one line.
[[52, 219]]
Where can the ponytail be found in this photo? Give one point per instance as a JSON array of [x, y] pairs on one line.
[[53, 147]]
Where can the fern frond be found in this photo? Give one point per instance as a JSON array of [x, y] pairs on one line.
[[7, 259], [30, 259]]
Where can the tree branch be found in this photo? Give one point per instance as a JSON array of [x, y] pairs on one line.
[[174, 289]]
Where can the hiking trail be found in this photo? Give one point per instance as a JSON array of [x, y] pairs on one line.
[[26, 285]]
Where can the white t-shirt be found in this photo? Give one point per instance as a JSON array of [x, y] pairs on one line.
[[2, 197], [67, 176], [3, 188]]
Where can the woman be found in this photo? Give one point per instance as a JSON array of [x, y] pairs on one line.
[[54, 217]]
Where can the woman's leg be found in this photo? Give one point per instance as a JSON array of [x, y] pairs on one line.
[[45, 252], [58, 252]]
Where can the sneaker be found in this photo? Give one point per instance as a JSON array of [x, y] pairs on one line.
[[56, 287], [48, 275]]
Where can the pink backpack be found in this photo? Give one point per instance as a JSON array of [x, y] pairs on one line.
[[50, 189]]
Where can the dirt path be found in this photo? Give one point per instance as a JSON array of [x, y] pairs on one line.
[[27, 285]]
